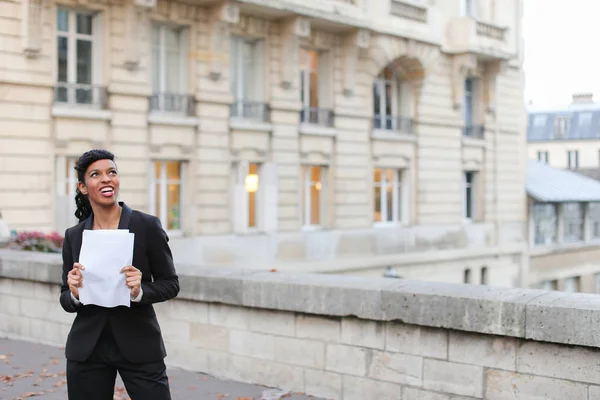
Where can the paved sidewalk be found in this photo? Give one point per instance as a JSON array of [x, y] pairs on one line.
[[35, 371]]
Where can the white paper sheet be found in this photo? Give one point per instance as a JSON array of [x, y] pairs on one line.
[[103, 254]]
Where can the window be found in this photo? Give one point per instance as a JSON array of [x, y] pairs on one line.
[[313, 195], [594, 217], [467, 8], [542, 156], [597, 282], [76, 37], [572, 285], [549, 285], [389, 97], [470, 126], [561, 127], [468, 195], [254, 205], [66, 186], [467, 276], [313, 88], [573, 159], [169, 72], [540, 120], [246, 77], [484, 275], [387, 195], [573, 217], [585, 121], [166, 193], [544, 224]]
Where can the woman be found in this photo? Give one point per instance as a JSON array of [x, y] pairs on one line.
[[102, 340]]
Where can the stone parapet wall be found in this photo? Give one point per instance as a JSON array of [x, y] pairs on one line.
[[345, 337]]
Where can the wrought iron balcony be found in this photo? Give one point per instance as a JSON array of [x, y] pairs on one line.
[[81, 95], [175, 103], [317, 116], [474, 131], [393, 123], [251, 110]]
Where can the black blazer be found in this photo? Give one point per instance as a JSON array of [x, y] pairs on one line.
[[135, 329]]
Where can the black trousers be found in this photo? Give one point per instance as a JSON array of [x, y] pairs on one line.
[[95, 378]]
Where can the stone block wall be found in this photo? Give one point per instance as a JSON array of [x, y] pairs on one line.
[[348, 337]]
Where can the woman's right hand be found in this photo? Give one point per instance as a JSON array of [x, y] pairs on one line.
[[75, 279]]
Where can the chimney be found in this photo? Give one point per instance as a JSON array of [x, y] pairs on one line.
[[583, 98]]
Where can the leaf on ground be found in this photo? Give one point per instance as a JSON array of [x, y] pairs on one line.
[[3, 357], [55, 361], [192, 387], [30, 394], [60, 383]]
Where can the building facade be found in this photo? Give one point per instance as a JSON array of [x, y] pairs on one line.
[[339, 136], [564, 229], [567, 137]]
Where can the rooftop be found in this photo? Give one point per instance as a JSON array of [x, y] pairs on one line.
[[554, 185]]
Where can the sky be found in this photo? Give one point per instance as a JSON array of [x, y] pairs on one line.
[[561, 52]]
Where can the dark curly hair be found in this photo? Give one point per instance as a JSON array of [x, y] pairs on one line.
[[84, 208]]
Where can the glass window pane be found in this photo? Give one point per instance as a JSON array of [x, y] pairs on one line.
[[157, 205], [377, 203], [377, 104], [84, 24], [248, 71], [315, 203], [304, 185], [173, 203], [62, 20], [398, 196], [156, 67], [157, 168], [84, 61], [469, 203], [63, 47], [389, 203], [252, 182], [173, 170]]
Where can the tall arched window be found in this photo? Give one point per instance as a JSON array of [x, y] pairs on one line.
[[390, 102]]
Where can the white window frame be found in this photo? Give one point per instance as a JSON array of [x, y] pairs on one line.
[[568, 220], [544, 219], [96, 48], [572, 285], [542, 156], [573, 159], [162, 214], [66, 187], [468, 8], [397, 198], [237, 71], [306, 204], [561, 127], [466, 186], [324, 78], [182, 33]]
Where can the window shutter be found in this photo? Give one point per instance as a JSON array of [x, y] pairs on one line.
[[269, 197], [240, 198]]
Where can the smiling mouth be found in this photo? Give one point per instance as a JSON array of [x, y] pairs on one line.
[[107, 192]]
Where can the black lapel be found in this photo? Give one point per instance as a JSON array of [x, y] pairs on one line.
[[125, 216]]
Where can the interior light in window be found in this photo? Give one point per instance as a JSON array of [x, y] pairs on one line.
[[251, 183]]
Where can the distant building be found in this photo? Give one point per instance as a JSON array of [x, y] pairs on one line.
[[564, 229], [338, 136], [567, 137]]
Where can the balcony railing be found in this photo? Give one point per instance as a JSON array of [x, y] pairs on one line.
[[317, 116], [251, 110], [184, 104], [474, 131], [393, 123], [80, 95], [409, 11], [490, 31]]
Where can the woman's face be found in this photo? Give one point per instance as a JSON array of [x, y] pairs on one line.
[[101, 183]]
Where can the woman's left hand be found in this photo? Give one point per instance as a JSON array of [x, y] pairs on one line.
[[133, 278]]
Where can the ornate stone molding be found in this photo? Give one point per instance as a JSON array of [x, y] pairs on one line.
[[490, 74], [353, 44], [291, 31], [222, 17], [463, 66], [32, 26], [306, 154], [253, 26]]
